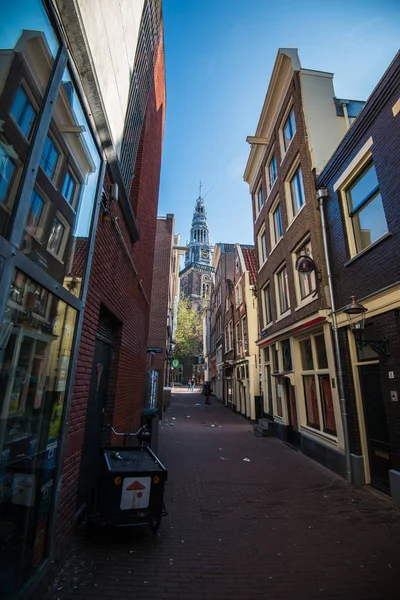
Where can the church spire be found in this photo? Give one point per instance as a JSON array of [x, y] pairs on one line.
[[199, 234]]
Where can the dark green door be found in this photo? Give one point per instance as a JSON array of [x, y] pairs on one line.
[[376, 425]]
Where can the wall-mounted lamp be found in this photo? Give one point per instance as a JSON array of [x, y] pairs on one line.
[[305, 266], [355, 313]]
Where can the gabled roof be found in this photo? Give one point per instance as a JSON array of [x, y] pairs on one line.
[[249, 255]]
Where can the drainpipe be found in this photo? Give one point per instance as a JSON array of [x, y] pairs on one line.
[[344, 104], [321, 194]]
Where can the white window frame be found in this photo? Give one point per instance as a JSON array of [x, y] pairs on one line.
[[300, 302], [258, 207], [288, 111], [288, 191], [261, 258], [273, 233], [317, 372], [238, 340], [238, 294], [348, 218], [270, 183], [282, 313], [244, 328], [230, 335], [267, 318]]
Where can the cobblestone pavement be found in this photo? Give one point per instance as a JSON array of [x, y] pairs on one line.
[[277, 527]]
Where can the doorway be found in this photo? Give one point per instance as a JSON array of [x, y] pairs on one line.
[[379, 449], [293, 436], [97, 403]]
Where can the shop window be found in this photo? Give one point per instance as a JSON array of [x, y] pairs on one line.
[[38, 333], [327, 404], [279, 395], [286, 355], [317, 388], [23, 112], [310, 392], [307, 355], [322, 358]]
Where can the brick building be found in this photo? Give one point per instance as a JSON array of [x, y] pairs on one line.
[[362, 215], [300, 125], [163, 295], [76, 277], [222, 262]]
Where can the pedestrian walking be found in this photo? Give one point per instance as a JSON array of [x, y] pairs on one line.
[[189, 385], [207, 391]]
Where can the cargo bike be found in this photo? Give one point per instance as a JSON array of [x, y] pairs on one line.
[[130, 491]]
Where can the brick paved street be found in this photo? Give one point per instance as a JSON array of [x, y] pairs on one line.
[[279, 526]]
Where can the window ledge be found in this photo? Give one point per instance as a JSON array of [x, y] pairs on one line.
[[320, 435], [262, 266], [287, 149], [294, 218], [284, 315], [276, 245], [271, 189], [387, 235], [308, 300]]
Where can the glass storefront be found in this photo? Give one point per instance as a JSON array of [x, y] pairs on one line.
[[35, 357], [49, 178]]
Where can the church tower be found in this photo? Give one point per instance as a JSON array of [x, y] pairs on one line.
[[196, 276]]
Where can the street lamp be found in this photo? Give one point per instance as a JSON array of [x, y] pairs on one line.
[[355, 312]]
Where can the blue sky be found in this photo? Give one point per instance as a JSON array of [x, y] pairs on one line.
[[219, 58]]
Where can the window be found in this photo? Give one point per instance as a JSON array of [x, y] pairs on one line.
[[23, 112], [238, 340], [289, 129], [365, 208], [266, 305], [239, 295], [272, 172], [316, 384], [277, 230], [35, 213], [262, 247], [286, 355], [237, 265], [69, 188], [7, 170], [283, 290], [56, 237], [244, 334], [260, 199], [306, 282], [49, 159], [226, 303], [230, 335], [297, 195]]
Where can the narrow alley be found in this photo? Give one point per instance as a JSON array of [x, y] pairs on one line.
[[248, 518]]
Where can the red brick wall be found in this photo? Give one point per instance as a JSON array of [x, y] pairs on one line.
[[125, 290]]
